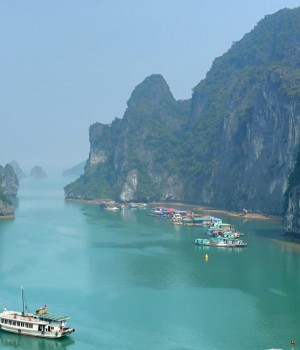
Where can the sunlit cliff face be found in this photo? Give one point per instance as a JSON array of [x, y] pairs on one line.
[[97, 158]]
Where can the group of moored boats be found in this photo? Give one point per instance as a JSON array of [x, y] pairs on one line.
[[219, 234]]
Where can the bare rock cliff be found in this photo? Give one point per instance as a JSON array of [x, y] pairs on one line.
[[9, 185]]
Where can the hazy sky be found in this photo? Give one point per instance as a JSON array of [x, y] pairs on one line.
[[66, 64]]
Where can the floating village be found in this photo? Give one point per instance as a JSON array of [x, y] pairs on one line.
[[218, 233]]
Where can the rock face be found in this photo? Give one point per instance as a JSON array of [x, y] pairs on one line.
[[126, 161], [18, 171], [9, 181], [38, 172], [9, 185], [7, 210], [292, 200], [292, 216], [232, 146]]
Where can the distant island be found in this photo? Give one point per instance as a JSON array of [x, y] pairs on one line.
[[9, 186], [38, 172], [76, 170]]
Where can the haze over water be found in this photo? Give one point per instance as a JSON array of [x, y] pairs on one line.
[[131, 281]]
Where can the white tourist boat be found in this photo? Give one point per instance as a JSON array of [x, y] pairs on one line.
[[39, 324]]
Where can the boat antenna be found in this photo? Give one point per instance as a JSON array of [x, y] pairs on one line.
[[22, 293]]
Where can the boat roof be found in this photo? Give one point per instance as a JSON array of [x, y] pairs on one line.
[[53, 317]]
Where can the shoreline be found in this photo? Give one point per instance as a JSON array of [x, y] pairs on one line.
[[211, 211], [202, 209], [254, 216], [7, 217]]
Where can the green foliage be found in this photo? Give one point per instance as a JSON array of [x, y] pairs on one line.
[[101, 184], [146, 191]]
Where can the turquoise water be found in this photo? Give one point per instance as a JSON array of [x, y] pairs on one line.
[[131, 281]]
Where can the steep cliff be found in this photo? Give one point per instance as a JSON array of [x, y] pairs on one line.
[[9, 181], [292, 200], [232, 146], [18, 171], [134, 158], [251, 97], [9, 185]]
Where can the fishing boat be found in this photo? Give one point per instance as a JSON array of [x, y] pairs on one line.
[[112, 208], [203, 241], [221, 242], [224, 234], [39, 324]]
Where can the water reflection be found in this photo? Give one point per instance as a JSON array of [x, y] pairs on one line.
[[15, 341], [219, 249]]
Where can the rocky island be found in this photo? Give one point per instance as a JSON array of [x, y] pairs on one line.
[[9, 186], [233, 145], [76, 170], [38, 172]]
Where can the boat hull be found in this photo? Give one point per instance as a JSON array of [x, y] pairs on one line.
[[223, 244], [39, 334]]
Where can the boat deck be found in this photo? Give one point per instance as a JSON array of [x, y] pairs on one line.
[[29, 317], [52, 317]]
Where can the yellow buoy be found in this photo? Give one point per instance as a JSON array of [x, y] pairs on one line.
[[206, 256]]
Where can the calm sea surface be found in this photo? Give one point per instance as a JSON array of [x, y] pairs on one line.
[[131, 281]]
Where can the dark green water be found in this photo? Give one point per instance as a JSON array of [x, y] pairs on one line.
[[131, 281]]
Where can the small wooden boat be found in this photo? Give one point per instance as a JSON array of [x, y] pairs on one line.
[[41, 324]]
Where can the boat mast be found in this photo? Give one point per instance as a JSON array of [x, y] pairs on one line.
[[22, 293]]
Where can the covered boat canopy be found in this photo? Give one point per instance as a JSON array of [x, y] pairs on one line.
[[205, 219], [53, 317]]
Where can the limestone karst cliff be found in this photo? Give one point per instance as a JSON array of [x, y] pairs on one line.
[[252, 96], [18, 171], [233, 145], [126, 161], [9, 181], [9, 185], [292, 200]]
